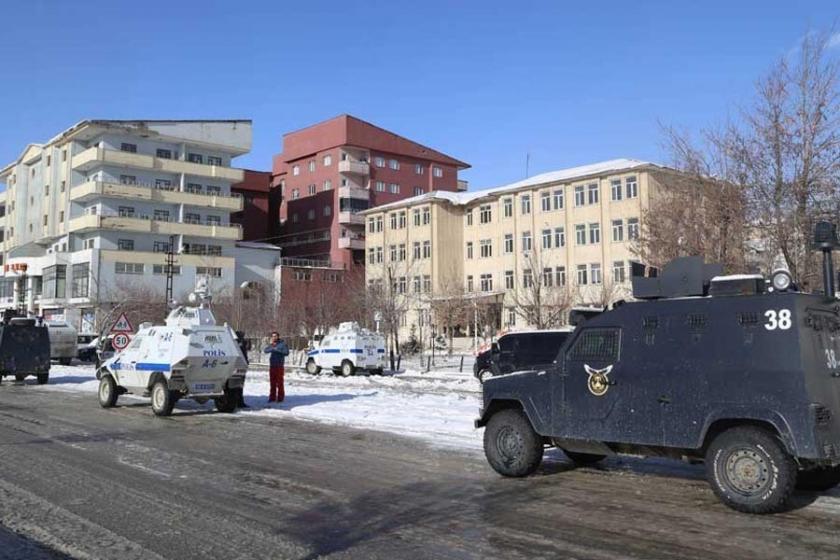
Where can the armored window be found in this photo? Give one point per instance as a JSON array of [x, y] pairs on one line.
[[597, 345]]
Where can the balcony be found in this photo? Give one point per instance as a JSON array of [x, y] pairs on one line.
[[353, 192], [96, 189], [355, 167], [232, 232], [351, 218], [463, 185], [93, 157], [351, 243]]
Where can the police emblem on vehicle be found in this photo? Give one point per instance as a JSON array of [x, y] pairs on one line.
[[598, 382]]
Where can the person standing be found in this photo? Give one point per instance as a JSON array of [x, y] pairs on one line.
[[277, 359], [244, 347]]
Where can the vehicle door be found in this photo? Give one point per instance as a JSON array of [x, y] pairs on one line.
[[505, 360], [593, 387]]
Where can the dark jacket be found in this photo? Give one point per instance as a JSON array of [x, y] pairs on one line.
[[278, 352]]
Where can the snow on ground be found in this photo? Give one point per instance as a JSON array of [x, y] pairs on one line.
[[437, 407]]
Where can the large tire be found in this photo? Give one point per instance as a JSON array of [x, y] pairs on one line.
[[347, 368], [107, 391], [312, 368], [163, 401], [227, 402], [750, 470], [584, 459], [819, 479], [511, 445], [43, 378]]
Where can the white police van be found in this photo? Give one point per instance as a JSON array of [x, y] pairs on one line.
[[347, 349]]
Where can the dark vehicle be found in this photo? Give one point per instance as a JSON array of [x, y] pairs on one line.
[[733, 370], [24, 348], [86, 347], [519, 351]]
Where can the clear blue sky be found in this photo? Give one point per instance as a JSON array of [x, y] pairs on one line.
[[484, 81]]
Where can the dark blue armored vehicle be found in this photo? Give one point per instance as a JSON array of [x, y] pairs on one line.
[[738, 371], [24, 348]]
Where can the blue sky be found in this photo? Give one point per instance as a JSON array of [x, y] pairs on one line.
[[487, 82]]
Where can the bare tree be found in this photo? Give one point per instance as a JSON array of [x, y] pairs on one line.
[[538, 298], [449, 305], [389, 298]]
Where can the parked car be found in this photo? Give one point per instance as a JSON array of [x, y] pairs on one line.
[[86, 347], [520, 350]]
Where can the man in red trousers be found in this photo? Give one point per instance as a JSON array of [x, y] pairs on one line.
[[278, 352]]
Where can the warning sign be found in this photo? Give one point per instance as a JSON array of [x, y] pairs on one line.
[[122, 325], [120, 341]]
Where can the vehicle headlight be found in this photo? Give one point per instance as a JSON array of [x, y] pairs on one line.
[[781, 280]]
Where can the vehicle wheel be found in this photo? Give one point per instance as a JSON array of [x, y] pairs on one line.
[[162, 399], [819, 479], [107, 391], [750, 470], [347, 368], [511, 445], [227, 402], [584, 459], [43, 378], [312, 368]]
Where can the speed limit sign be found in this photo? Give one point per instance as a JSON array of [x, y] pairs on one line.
[[120, 341]]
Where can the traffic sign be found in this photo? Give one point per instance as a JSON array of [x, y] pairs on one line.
[[120, 341], [122, 325]]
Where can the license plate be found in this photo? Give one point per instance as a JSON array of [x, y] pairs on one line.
[[198, 387]]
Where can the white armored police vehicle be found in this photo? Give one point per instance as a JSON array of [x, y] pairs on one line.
[[347, 349], [188, 357]]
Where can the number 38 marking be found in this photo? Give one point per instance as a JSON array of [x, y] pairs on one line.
[[777, 319]]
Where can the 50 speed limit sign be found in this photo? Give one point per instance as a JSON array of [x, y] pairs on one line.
[[120, 341]]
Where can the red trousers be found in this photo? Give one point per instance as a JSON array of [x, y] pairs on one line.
[[275, 377]]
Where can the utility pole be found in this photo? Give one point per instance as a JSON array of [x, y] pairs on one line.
[[527, 164], [170, 270]]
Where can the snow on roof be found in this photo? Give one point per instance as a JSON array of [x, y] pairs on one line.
[[257, 245], [561, 175]]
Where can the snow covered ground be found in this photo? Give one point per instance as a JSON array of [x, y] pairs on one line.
[[438, 407]]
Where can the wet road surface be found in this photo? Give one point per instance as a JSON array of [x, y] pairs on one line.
[[78, 481]]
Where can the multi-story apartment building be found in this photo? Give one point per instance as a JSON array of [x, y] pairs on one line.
[[331, 171], [570, 229], [91, 213], [260, 214]]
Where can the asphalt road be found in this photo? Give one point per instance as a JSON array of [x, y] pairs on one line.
[[79, 481]]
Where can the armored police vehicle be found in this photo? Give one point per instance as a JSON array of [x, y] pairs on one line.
[[24, 348], [190, 356], [348, 349], [734, 370]]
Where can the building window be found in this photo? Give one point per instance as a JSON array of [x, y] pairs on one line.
[[581, 275], [427, 249], [395, 188], [557, 197], [371, 255], [485, 214], [194, 188], [393, 217], [192, 218], [427, 283], [527, 278], [580, 196], [560, 276], [163, 154], [312, 189], [633, 228], [632, 187], [618, 230], [46, 219], [126, 147], [195, 158], [46, 190], [508, 243], [416, 250], [416, 216], [380, 186], [402, 252], [125, 211], [525, 203], [469, 249], [394, 164], [310, 214], [60, 218], [379, 161], [295, 194], [507, 207], [580, 234], [511, 317], [81, 277], [163, 184], [485, 248], [418, 169], [214, 250], [615, 188], [545, 201], [593, 193], [63, 186], [55, 281], [327, 160], [418, 191], [160, 269], [427, 215], [327, 185], [295, 170], [299, 275], [509, 282], [49, 160], [526, 241], [125, 244], [213, 271], [161, 247], [595, 273], [380, 255], [312, 166], [216, 220], [486, 281], [392, 253], [161, 215], [469, 217], [379, 223], [417, 285], [437, 171], [214, 160], [560, 237], [128, 268], [328, 210], [594, 233], [469, 283], [128, 179], [546, 239], [371, 225], [548, 277], [618, 272], [402, 218], [213, 189]]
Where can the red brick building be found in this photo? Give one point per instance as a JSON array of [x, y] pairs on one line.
[[330, 171], [260, 217]]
